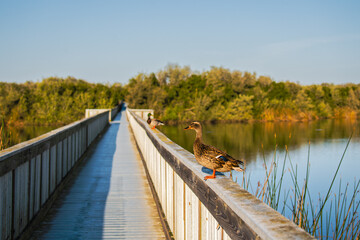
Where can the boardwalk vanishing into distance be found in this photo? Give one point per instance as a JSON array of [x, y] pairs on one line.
[[108, 198], [122, 180]]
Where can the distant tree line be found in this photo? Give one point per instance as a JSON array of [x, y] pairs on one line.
[[179, 94], [54, 101]]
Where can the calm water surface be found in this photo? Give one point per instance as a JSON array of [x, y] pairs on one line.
[[255, 142]]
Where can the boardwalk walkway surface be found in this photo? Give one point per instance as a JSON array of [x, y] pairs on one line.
[[109, 198]]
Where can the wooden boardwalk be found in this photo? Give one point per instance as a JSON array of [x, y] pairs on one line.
[[109, 198]]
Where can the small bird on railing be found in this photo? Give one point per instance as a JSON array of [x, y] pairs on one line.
[[211, 157], [153, 122]]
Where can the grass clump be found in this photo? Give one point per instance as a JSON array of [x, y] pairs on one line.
[[334, 216]]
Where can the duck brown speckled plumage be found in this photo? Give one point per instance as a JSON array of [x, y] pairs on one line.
[[211, 157]]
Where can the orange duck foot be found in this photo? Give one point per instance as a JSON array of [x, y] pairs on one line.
[[211, 176]]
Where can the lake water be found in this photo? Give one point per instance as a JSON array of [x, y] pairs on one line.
[[255, 142]]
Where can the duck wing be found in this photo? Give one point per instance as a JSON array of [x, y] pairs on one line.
[[156, 122], [235, 164], [223, 159], [159, 122], [206, 156]]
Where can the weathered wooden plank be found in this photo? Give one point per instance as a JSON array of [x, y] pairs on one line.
[[6, 205], [25, 195], [192, 214], [69, 154], [153, 163], [84, 140], [210, 227], [45, 164], [88, 139], [37, 185], [59, 162], [65, 158], [81, 137], [158, 172], [162, 180], [95, 128], [32, 187], [53, 166], [179, 230], [206, 224], [73, 150], [21, 198], [76, 146], [170, 195], [81, 142], [225, 236]]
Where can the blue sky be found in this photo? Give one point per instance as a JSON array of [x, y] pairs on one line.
[[111, 41]]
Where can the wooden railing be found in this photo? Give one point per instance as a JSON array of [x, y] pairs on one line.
[[93, 112], [143, 113], [31, 172], [195, 209]]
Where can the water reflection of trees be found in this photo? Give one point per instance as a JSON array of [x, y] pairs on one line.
[[245, 140]]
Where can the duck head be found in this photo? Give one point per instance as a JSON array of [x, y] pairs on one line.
[[197, 127], [149, 114], [194, 125]]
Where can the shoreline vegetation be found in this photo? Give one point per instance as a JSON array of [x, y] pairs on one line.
[[216, 121], [177, 94], [53, 102]]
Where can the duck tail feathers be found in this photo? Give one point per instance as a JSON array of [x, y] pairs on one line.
[[241, 167]]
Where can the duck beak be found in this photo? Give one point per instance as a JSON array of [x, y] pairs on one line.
[[187, 128]]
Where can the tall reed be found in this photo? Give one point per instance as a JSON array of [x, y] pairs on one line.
[[7, 136], [340, 220], [4, 139]]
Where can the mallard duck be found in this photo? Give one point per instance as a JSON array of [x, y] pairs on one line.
[[149, 118], [153, 122], [211, 157]]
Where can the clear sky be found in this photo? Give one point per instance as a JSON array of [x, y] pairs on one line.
[[111, 41]]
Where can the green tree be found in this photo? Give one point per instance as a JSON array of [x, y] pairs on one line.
[[240, 108]]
